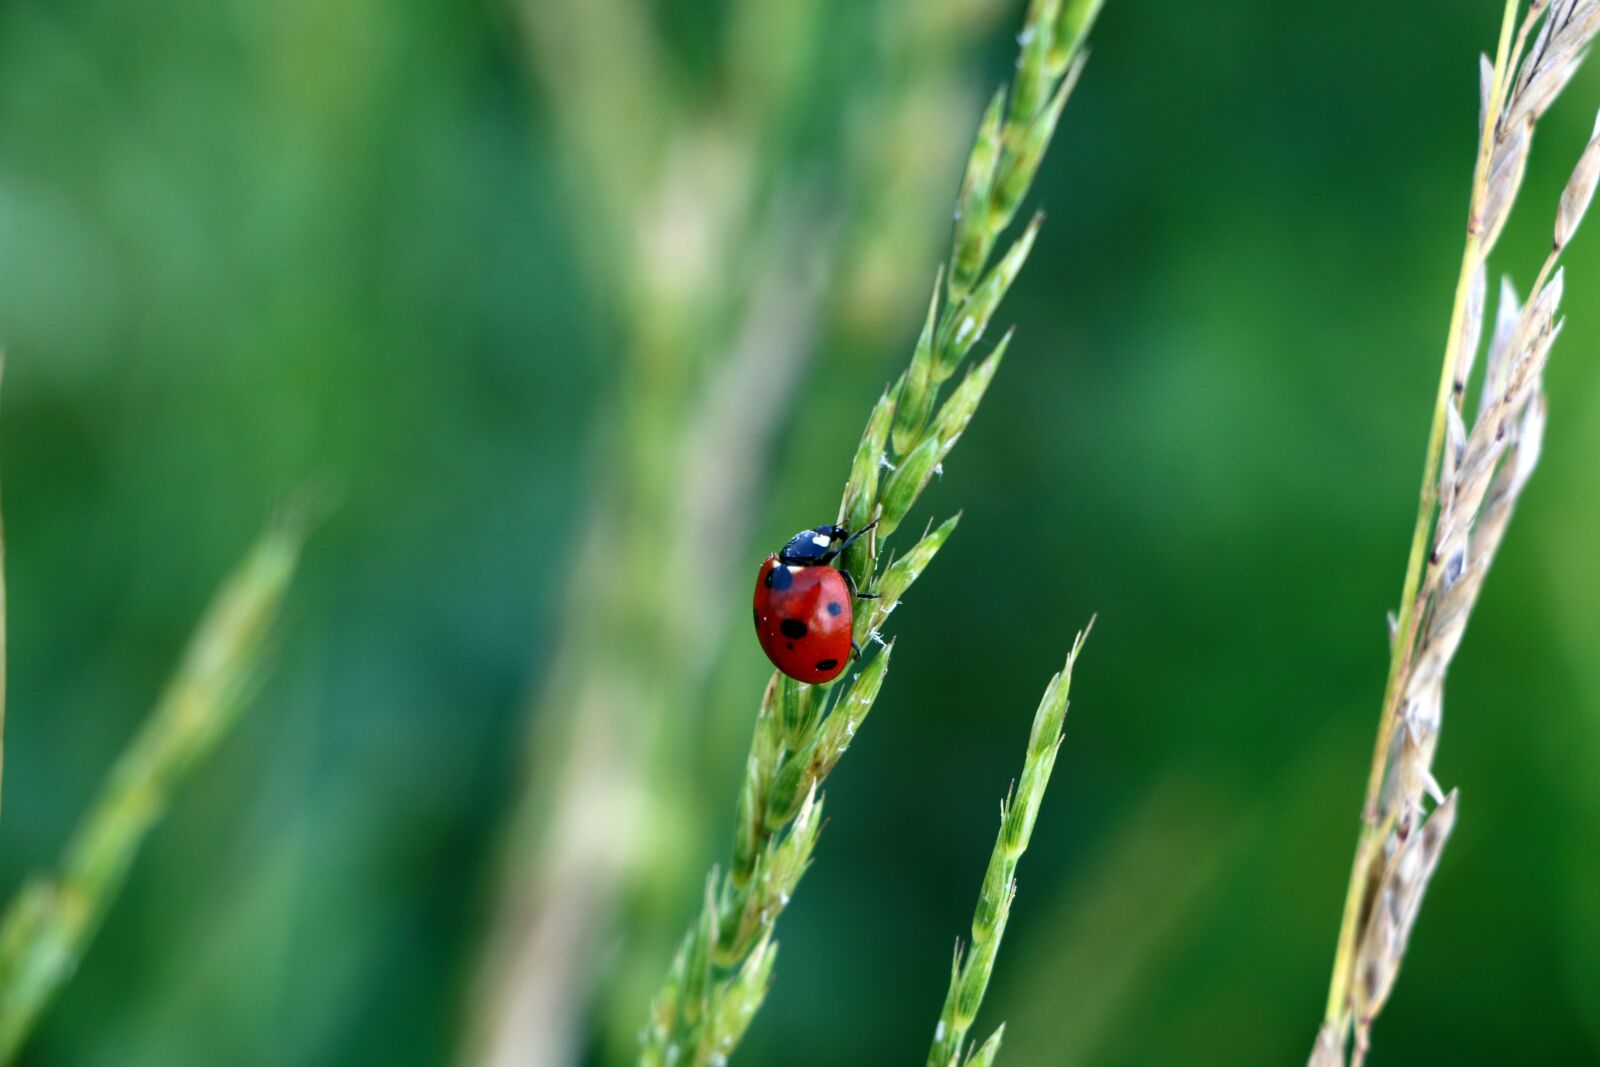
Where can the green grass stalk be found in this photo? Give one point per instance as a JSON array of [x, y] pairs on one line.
[[49, 924], [3, 637], [719, 266], [721, 971], [970, 970]]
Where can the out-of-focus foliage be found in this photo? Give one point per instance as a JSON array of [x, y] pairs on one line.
[[244, 245]]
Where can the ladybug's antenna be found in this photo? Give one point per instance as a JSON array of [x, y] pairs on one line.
[[848, 541]]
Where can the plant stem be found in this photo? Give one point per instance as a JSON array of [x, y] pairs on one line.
[[969, 975], [1367, 850], [723, 966], [3, 639], [49, 924]]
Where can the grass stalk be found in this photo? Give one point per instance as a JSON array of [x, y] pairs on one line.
[[4, 644], [970, 970], [1471, 480], [49, 924], [722, 968], [1405, 629], [719, 268]]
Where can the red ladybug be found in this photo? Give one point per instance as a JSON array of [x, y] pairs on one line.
[[803, 605]]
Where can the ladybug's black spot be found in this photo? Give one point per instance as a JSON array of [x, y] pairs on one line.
[[793, 628], [779, 578], [790, 646], [834, 608], [827, 664]]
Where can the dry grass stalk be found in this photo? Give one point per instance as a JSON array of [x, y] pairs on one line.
[[1472, 479]]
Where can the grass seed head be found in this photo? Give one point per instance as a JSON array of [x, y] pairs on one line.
[[1482, 467]]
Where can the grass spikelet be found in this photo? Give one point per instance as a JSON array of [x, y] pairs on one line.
[[986, 1052], [969, 974], [802, 731], [1473, 474], [50, 923]]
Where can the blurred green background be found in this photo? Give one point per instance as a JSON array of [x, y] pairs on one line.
[[388, 248]]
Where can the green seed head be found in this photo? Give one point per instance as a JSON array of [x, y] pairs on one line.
[[1072, 27], [906, 484], [918, 387], [974, 234]]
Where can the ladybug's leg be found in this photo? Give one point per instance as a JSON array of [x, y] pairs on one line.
[[850, 584], [855, 650], [847, 542]]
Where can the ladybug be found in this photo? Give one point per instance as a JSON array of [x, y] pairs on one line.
[[803, 605]]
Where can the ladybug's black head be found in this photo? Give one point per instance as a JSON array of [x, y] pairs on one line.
[[813, 546]]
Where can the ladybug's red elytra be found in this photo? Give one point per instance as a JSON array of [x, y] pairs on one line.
[[803, 605]]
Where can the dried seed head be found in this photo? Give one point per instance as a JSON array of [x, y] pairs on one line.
[[1555, 55], [1471, 330], [1530, 439], [1485, 88], [1579, 191], [1507, 315], [1483, 469], [1538, 322], [1455, 445], [1400, 888], [1533, 101], [1419, 739], [1329, 1049], [1506, 168]]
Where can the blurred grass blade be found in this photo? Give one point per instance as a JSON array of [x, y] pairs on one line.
[[3, 635], [50, 924]]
